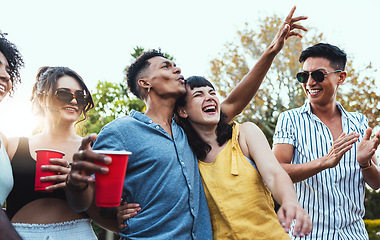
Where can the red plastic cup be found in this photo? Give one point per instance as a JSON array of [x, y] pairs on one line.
[[43, 157], [108, 187]]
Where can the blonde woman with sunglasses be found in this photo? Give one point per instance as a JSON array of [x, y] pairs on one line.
[[61, 97]]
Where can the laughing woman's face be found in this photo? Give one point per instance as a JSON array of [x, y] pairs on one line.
[[5, 78]]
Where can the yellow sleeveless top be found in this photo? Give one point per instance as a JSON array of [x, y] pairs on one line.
[[241, 206]]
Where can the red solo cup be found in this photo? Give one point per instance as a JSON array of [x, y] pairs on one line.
[[43, 157], [108, 187]]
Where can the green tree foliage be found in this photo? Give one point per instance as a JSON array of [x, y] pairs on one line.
[[280, 90], [373, 228], [358, 93], [111, 102], [371, 203]]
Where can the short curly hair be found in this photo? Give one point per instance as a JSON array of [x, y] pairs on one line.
[[14, 59], [138, 68]]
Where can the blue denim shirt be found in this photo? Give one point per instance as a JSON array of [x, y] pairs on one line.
[[162, 176]]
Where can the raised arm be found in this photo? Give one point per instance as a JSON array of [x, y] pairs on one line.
[[299, 172], [255, 145], [242, 94]]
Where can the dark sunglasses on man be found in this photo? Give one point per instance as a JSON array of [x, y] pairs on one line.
[[67, 97], [317, 75]]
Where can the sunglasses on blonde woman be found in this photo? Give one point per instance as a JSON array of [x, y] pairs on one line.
[[66, 97]]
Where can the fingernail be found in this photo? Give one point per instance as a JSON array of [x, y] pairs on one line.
[[104, 169], [42, 178], [297, 234], [287, 230], [283, 224], [107, 159], [43, 166]]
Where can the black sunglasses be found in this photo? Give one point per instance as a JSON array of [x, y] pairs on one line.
[[66, 97], [317, 75]]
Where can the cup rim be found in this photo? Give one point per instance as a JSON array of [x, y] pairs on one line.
[[50, 150], [115, 152]]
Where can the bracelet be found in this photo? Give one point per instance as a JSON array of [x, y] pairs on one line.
[[366, 167], [73, 188]]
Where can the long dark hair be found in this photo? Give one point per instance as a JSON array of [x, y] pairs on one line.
[[223, 130]]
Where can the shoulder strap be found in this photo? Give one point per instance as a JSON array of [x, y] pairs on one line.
[[22, 150], [235, 142], [23, 144]]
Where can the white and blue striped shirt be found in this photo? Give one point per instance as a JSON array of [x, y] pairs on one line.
[[334, 198]]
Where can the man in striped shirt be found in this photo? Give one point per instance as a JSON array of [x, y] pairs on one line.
[[327, 151]]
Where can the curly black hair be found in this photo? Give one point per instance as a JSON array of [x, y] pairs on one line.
[[137, 69], [14, 59]]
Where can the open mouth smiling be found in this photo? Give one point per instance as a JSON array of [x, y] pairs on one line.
[[71, 109], [2, 88], [313, 92], [209, 109]]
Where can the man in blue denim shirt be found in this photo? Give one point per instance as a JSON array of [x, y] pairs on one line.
[[162, 174]]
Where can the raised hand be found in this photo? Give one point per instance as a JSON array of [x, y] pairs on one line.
[[293, 211], [367, 147], [339, 148], [84, 165], [287, 30]]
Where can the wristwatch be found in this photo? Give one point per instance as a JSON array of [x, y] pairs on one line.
[[367, 166]]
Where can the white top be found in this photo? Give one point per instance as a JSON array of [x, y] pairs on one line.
[[334, 197], [6, 176]]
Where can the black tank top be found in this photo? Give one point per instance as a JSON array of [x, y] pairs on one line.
[[24, 168]]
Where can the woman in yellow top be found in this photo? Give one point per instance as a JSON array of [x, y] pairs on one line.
[[240, 204]]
